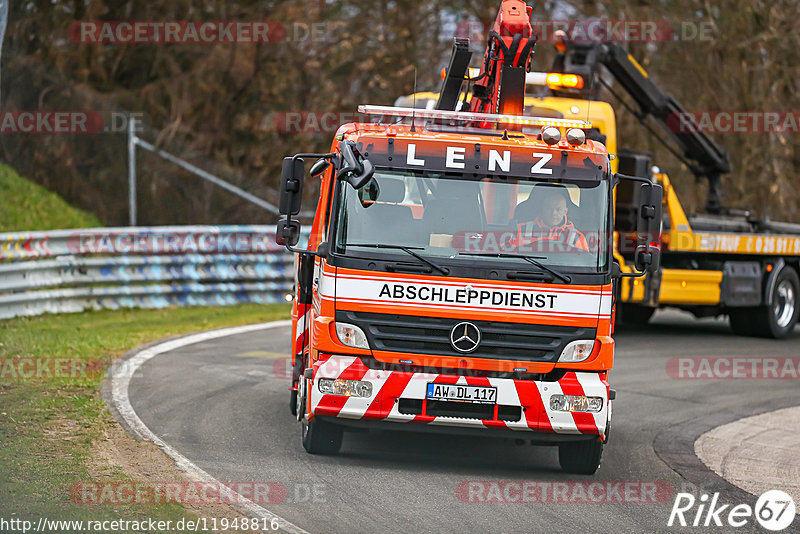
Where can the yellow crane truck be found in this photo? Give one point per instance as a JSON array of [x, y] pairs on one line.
[[721, 262]]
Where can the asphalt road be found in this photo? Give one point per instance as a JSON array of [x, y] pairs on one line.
[[222, 406]]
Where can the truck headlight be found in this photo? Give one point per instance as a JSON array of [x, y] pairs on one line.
[[577, 351], [352, 336], [575, 403], [347, 388]]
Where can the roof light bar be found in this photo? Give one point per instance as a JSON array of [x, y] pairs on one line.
[[555, 80], [536, 78], [552, 79], [570, 81], [463, 116]]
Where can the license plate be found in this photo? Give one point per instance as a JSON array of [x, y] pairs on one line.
[[474, 394]]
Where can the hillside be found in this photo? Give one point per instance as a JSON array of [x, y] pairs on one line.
[[25, 205]]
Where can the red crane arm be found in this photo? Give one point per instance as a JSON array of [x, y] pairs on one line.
[[500, 88]]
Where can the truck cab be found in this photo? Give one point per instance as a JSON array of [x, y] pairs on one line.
[[458, 280]]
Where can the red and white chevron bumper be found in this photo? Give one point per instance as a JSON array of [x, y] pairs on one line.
[[523, 405]]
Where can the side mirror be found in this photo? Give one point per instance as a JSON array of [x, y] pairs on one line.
[[369, 193], [291, 186], [362, 179], [647, 258], [355, 169], [648, 250], [319, 167], [288, 233]]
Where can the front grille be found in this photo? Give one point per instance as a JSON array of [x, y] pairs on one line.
[[431, 335], [463, 410]]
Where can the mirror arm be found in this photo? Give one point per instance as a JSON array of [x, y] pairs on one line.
[[319, 253], [633, 178], [305, 252], [319, 156], [349, 162], [616, 272], [634, 274]]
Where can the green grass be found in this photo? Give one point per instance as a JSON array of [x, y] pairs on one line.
[[25, 205], [48, 426]]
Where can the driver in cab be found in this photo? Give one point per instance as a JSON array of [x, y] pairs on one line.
[[549, 221]]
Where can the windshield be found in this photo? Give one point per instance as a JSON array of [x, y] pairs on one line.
[[445, 216]]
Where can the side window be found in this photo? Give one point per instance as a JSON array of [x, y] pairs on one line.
[[341, 216], [328, 214]]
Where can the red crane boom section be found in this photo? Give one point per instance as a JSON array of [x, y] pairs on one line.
[[500, 88]]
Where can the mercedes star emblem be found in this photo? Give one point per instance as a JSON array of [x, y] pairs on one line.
[[465, 337]]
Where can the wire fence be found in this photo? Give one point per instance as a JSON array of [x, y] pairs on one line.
[[134, 142]]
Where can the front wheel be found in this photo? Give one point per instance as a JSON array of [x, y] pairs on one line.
[[320, 437], [293, 401], [580, 457]]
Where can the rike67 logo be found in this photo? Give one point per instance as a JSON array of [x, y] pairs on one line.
[[774, 511]]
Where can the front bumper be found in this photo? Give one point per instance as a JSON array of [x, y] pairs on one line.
[[400, 397]]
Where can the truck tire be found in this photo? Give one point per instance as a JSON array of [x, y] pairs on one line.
[[777, 321], [742, 321], [320, 437], [297, 371], [293, 401], [636, 315], [580, 457]]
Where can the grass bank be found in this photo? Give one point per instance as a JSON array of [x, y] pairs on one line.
[[25, 205], [48, 425]]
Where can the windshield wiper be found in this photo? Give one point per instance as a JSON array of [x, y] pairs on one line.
[[530, 259], [407, 250]]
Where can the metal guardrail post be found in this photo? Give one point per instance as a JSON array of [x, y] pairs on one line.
[[132, 216], [3, 22]]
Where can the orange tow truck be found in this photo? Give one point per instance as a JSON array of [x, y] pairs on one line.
[[459, 275]]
